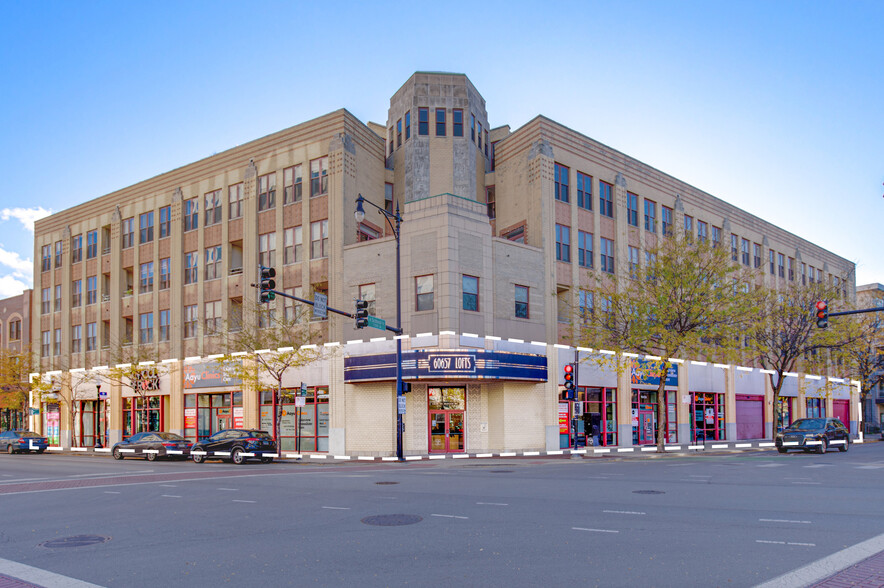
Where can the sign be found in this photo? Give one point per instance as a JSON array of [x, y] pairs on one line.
[[563, 419], [376, 323], [435, 364], [33, 411], [207, 375], [710, 416], [300, 401], [238, 417], [102, 394], [448, 364], [647, 372], [401, 403], [634, 417], [320, 305], [190, 418], [146, 380]]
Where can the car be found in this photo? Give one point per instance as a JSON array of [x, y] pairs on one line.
[[21, 441], [237, 445], [151, 445], [814, 434]]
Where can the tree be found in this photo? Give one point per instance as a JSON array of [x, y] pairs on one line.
[[688, 300], [864, 355], [15, 366], [133, 367]]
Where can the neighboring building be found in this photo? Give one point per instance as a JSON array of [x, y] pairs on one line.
[[15, 339], [501, 231], [872, 296]]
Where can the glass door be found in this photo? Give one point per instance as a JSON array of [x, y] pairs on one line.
[[446, 414], [438, 433], [647, 427]]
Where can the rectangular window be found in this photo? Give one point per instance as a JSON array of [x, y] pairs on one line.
[[191, 267], [15, 330], [473, 128], [165, 319], [521, 299], [92, 244], [688, 227], [57, 343], [191, 214], [744, 250], [770, 256], [781, 265], [190, 321], [563, 243], [234, 198], [165, 273], [213, 317], [91, 289], [76, 339], [606, 255], [46, 258], [57, 297], [213, 262], [292, 311], [584, 191], [267, 192], [811, 280], [423, 121], [632, 209], [819, 275], [45, 342], [399, 133], [585, 304], [470, 292], [292, 184], [91, 336], [390, 142], [76, 248], [145, 282], [716, 236], [440, 122], [667, 221], [702, 231], [59, 250], [267, 249], [606, 202], [803, 274], [457, 120], [408, 125], [517, 235], [319, 239], [45, 301], [145, 227], [584, 249], [128, 233], [292, 252], [735, 248], [650, 216], [165, 221], [145, 328], [791, 269], [127, 331], [423, 290], [562, 173], [213, 207], [486, 143], [388, 197], [816, 408], [479, 135], [491, 201], [756, 254], [76, 293], [319, 177]]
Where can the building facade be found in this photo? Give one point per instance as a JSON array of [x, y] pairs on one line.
[[872, 296], [15, 340], [502, 231]]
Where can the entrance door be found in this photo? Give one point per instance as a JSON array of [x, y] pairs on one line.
[[750, 417], [221, 423], [841, 410], [446, 432], [646, 422]]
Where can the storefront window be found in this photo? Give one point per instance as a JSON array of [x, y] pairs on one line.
[[600, 411], [644, 417], [142, 414], [707, 420], [816, 408], [785, 404], [210, 413], [50, 423], [303, 420]]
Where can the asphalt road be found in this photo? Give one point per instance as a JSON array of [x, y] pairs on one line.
[[733, 519]]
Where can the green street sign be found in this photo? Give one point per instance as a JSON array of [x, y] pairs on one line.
[[376, 323]]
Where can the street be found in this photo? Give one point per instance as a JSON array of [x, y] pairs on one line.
[[726, 519]]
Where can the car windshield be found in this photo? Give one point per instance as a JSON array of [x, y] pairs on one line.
[[169, 436], [808, 424], [27, 434]]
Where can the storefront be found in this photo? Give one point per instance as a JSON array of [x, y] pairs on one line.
[[303, 418], [90, 423], [598, 412], [644, 417], [707, 417], [446, 408], [143, 413], [750, 416], [208, 406], [51, 414]]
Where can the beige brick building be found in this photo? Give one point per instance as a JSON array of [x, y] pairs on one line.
[[501, 230]]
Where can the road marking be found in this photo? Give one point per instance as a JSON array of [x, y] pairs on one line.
[[111, 492], [337, 507], [652, 448], [365, 458], [229, 489], [870, 467], [624, 449], [494, 503], [170, 496], [720, 446], [437, 457], [448, 516], [41, 577], [766, 444], [784, 521], [168, 485], [23, 479], [249, 501], [741, 445], [528, 453], [629, 512], [771, 465], [700, 475], [594, 530], [785, 543], [818, 465], [814, 483], [673, 448]]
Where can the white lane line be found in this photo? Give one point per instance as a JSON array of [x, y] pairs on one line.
[[813, 483], [170, 496], [249, 501], [23, 479], [448, 516], [337, 507], [110, 492], [700, 475], [784, 521], [168, 485], [785, 543], [629, 512], [870, 467], [594, 530], [229, 489], [817, 465], [771, 465], [494, 503]]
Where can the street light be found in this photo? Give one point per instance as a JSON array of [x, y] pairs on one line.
[[390, 218]]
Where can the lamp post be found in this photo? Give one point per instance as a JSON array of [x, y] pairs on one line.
[[390, 218]]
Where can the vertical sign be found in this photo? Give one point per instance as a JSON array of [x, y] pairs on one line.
[[238, 413], [190, 418], [564, 428], [320, 305]]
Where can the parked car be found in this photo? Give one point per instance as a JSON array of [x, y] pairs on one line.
[[235, 445], [152, 445], [814, 434], [22, 441]]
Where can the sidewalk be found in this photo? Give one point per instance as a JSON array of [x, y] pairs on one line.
[[868, 573]]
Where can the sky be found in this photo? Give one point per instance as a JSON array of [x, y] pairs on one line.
[[774, 107]]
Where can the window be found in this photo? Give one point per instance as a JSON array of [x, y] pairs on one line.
[[267, 192], [667, 221], [234, 198], [213, 262], [59, 248], [292, 252], [45, 301], [423, 121], [716, 237], [632, 209], [190, 321], [584, 191], [145, 227], [319, 239], [423, 289], [399, 133], [650, 216], [76, 338], [816, 408], [563, 243], [45, 342], [91, 289], [191, 267], [165, 221], [771, 260], [606, 255], [408, 125], [756, 254], [781, 265], [165, 319], [145, 328], [585, 304], [473, 128], [606, 202], [213, 207], [319, 177], [76, 293], [76, 248], [267, 249], [388, 197], [390, 142], [819, 275], [292, 184], [213, 317], [165, 273], [91, 336], [517, 235], [633, 262], [128, 233], [191, 214], [688, 227], [744, 250], [490, 202], [584, 249], [803, 274], [457, 120], [15, 330], [46, 253], [56, 346], [486, 144], [470, 293], [91, 244], [702, 231], [57, 297], [479, 135], [561, 174], [440, 122], [292, 313], [521, 299], [791, 269], [811, 274]]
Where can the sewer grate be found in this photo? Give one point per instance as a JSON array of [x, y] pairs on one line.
[[648, 492], [392, 520], [75, 541], [386, 483]]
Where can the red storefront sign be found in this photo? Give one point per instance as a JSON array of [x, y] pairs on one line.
[[563, 418], [190, 418]]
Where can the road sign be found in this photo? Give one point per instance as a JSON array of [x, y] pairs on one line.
[[34, 411], [320, 305], [401, 404], [300, 401], [377, 323], [102, 394]]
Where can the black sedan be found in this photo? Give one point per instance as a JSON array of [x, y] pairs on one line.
[[152, 445], [814, 435], [22, 442], [237, 445]]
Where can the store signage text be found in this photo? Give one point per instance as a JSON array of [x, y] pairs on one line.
[[146, 380], [207, 375], [461, 364], [449, 363]]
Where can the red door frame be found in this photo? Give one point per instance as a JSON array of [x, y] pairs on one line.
[[716, 398], [447, 414]]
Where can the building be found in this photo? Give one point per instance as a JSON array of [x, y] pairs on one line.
[[15, 340], [501, 229], [872, 296]]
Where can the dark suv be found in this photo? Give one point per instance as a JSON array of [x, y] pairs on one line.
[[814, 434], [237, 445]]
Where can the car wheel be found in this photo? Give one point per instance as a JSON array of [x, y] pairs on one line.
[[824, 444], [39, 451], [198, 458], [151, 456], [844, 447], [782, 449], [266, 460], [117, 453], [10, 449], [237, 457]]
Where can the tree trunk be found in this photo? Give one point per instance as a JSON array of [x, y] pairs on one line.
[[662, 412]]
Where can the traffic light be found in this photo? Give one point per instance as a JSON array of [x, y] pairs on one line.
[[267, 284], [361, 314], [569, 382], [822, 314]]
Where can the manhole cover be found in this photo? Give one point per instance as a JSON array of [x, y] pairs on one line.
[[75, 541], [386, 483], [501, 471], [648, 492], [392, 520]]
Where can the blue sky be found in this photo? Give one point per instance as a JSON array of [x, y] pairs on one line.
[[775, 107]]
